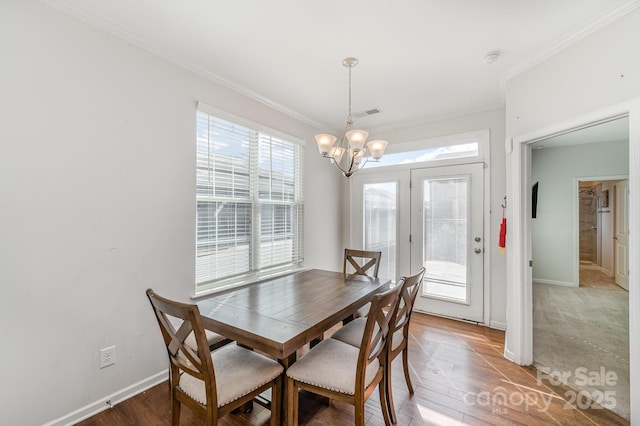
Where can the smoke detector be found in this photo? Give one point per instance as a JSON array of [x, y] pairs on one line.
[[491, 57]]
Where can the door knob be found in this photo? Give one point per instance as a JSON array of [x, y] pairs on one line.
[[478, 251], [477, 239]]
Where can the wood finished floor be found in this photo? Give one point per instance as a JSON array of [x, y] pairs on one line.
[[459, 375], [595, 278]]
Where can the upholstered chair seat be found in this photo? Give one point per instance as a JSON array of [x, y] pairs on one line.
[[214, 340], [332, 365], [352, 334], [239, 372]]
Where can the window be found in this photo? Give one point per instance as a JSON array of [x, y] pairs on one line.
[[447, 152], [249, 201], [461, 148]]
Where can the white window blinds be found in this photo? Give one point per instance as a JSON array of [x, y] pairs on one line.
[[249, 202]]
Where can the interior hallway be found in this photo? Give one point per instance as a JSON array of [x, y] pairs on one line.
[[588, 328]]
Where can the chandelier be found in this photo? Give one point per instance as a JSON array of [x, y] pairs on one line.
[[347, 152]]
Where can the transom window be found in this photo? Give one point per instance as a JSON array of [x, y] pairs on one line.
[[249, 201]]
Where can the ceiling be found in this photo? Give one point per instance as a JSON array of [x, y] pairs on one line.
[[419, 60]]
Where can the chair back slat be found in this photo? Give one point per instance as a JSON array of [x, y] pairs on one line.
[[362, 261], [407, 299], [376, 332]]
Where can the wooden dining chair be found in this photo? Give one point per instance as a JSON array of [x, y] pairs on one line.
[[362, 261], [399, 338], [342, 372], [211, 384]]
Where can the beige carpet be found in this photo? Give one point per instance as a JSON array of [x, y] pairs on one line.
[[582, 333]]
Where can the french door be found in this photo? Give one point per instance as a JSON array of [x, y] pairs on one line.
[[447, 222], [431, 217]]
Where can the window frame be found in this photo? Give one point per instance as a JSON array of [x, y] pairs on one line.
[[255, 272]]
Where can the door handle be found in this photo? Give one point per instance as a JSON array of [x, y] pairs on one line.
[[478, 251]]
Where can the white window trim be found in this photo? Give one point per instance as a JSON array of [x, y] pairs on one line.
[[247, 123], [222, 285]]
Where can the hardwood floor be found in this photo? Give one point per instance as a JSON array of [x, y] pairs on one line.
[[594, 278], [459, 375]]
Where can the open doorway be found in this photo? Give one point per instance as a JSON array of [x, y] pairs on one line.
[[599, 220], [519, 334], [580, 316]]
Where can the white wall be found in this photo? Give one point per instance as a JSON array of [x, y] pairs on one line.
[[554, 230], [97, 184], [494, 121], [598, 72]]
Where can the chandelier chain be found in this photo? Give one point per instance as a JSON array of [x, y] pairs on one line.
[[349, 118]]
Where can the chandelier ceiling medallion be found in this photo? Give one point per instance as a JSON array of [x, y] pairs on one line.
[[347, 152]]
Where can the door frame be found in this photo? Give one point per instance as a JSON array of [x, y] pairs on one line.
[[519, 334], [483, 137], [576, 207]]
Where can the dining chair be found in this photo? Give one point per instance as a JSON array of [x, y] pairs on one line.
[[211, 384], [342, 372], [361, 262], [399, 340]]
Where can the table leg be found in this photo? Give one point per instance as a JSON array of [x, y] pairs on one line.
[[286, 362]]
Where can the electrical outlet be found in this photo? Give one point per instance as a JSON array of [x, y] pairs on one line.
[[107, 356]]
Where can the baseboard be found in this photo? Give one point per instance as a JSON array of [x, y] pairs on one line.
[[509, 355], [553, 282], [109, 400], [607, 272], [498, 325]]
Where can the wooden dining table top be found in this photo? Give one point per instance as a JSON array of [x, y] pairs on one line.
[[282, 314]]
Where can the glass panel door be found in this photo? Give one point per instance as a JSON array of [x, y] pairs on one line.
[[444, 243], [380, 225], [379, 202], [447, 239]]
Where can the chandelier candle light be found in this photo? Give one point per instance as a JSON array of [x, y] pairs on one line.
[[351, 142]]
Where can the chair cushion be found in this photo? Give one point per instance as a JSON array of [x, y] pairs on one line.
[[351, 333], [190, 341], [364, 311], [238, 371], [331, 365], [212, 339]]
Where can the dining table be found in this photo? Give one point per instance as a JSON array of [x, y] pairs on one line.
[[280, 315]]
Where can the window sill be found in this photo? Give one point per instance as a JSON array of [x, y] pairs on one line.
[[249, 281]]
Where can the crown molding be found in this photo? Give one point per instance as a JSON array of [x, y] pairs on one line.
[[105, 24], [436, 118], [568, 41]]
